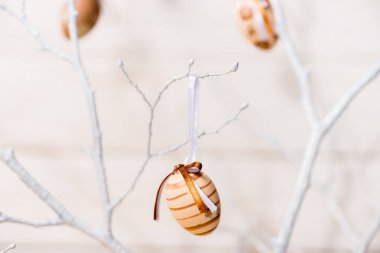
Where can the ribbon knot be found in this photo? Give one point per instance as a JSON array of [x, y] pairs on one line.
[[185, 170]]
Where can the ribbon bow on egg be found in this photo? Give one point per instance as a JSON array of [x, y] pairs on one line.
[[203, 203]]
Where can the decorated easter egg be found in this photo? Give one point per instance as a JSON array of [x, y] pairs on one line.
[[88, 13], [184, 208], [255, 19]]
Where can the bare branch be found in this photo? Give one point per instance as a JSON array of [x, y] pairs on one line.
[[346, 99], [133, 84], [97, 152], [124, 195], [319, 128], [302, 72], [233, 69], [104, 233], [152, 108], [8, 157], [340, 216], [205, 133], [370, 236], [175, 79], [46, 223], [22, 18], [11, 246]]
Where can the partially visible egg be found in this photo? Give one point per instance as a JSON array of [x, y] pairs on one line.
[[255, 19], [88, 14], [184, 208]]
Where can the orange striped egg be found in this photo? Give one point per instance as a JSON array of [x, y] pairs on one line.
[[255, 19], [184, 208]]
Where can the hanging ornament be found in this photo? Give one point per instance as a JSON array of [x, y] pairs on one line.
[[255, 19], [88, 13], [190, 194]]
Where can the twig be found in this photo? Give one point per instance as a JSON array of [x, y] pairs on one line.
[[11, 246], [22, 18], [102, 234], [368, 238], [133, 84], [97, 152], [340, 217], [349, 96], [302, 72], [8, 157], [233, 69], [46, 223], [204, 133], [319, 128], [152, 108]]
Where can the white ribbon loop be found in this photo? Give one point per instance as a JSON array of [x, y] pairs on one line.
[[193, 136]]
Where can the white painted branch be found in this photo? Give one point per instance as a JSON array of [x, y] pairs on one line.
[[152, 108], [302, 186], [46, 223], [102, 234], [341, 218], [22, 18], [234, 68], [205, 133], [11, 246], [317, 136], [370, 236], [302, 72], [8, 157], [133, 84], [173, 149], [349, 96], [97, 152], [319, 128]]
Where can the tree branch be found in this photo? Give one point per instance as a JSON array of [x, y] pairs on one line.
[[347, 98], [97, 151], [46, 223], [370, 236], [152, 109], [205, 133], [22, 18], [319, 128], [8, 157], [11, 246], [302, 72]]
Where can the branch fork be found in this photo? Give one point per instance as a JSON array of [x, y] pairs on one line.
[[104, 232]]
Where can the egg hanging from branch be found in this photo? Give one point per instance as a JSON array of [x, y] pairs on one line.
[[255, 19], [88, 14], [184, 208]]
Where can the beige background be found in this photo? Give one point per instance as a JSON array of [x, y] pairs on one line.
[[44, 118]]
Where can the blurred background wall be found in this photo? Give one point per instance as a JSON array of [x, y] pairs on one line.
[[253, 162]]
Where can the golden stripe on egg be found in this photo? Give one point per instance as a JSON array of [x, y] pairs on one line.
[[184, 208]]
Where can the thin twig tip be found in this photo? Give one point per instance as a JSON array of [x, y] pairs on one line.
[[245, 106], [120, 63], [236, 67]]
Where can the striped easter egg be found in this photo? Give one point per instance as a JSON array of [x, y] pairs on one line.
[[255, 19], [184, 208]]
